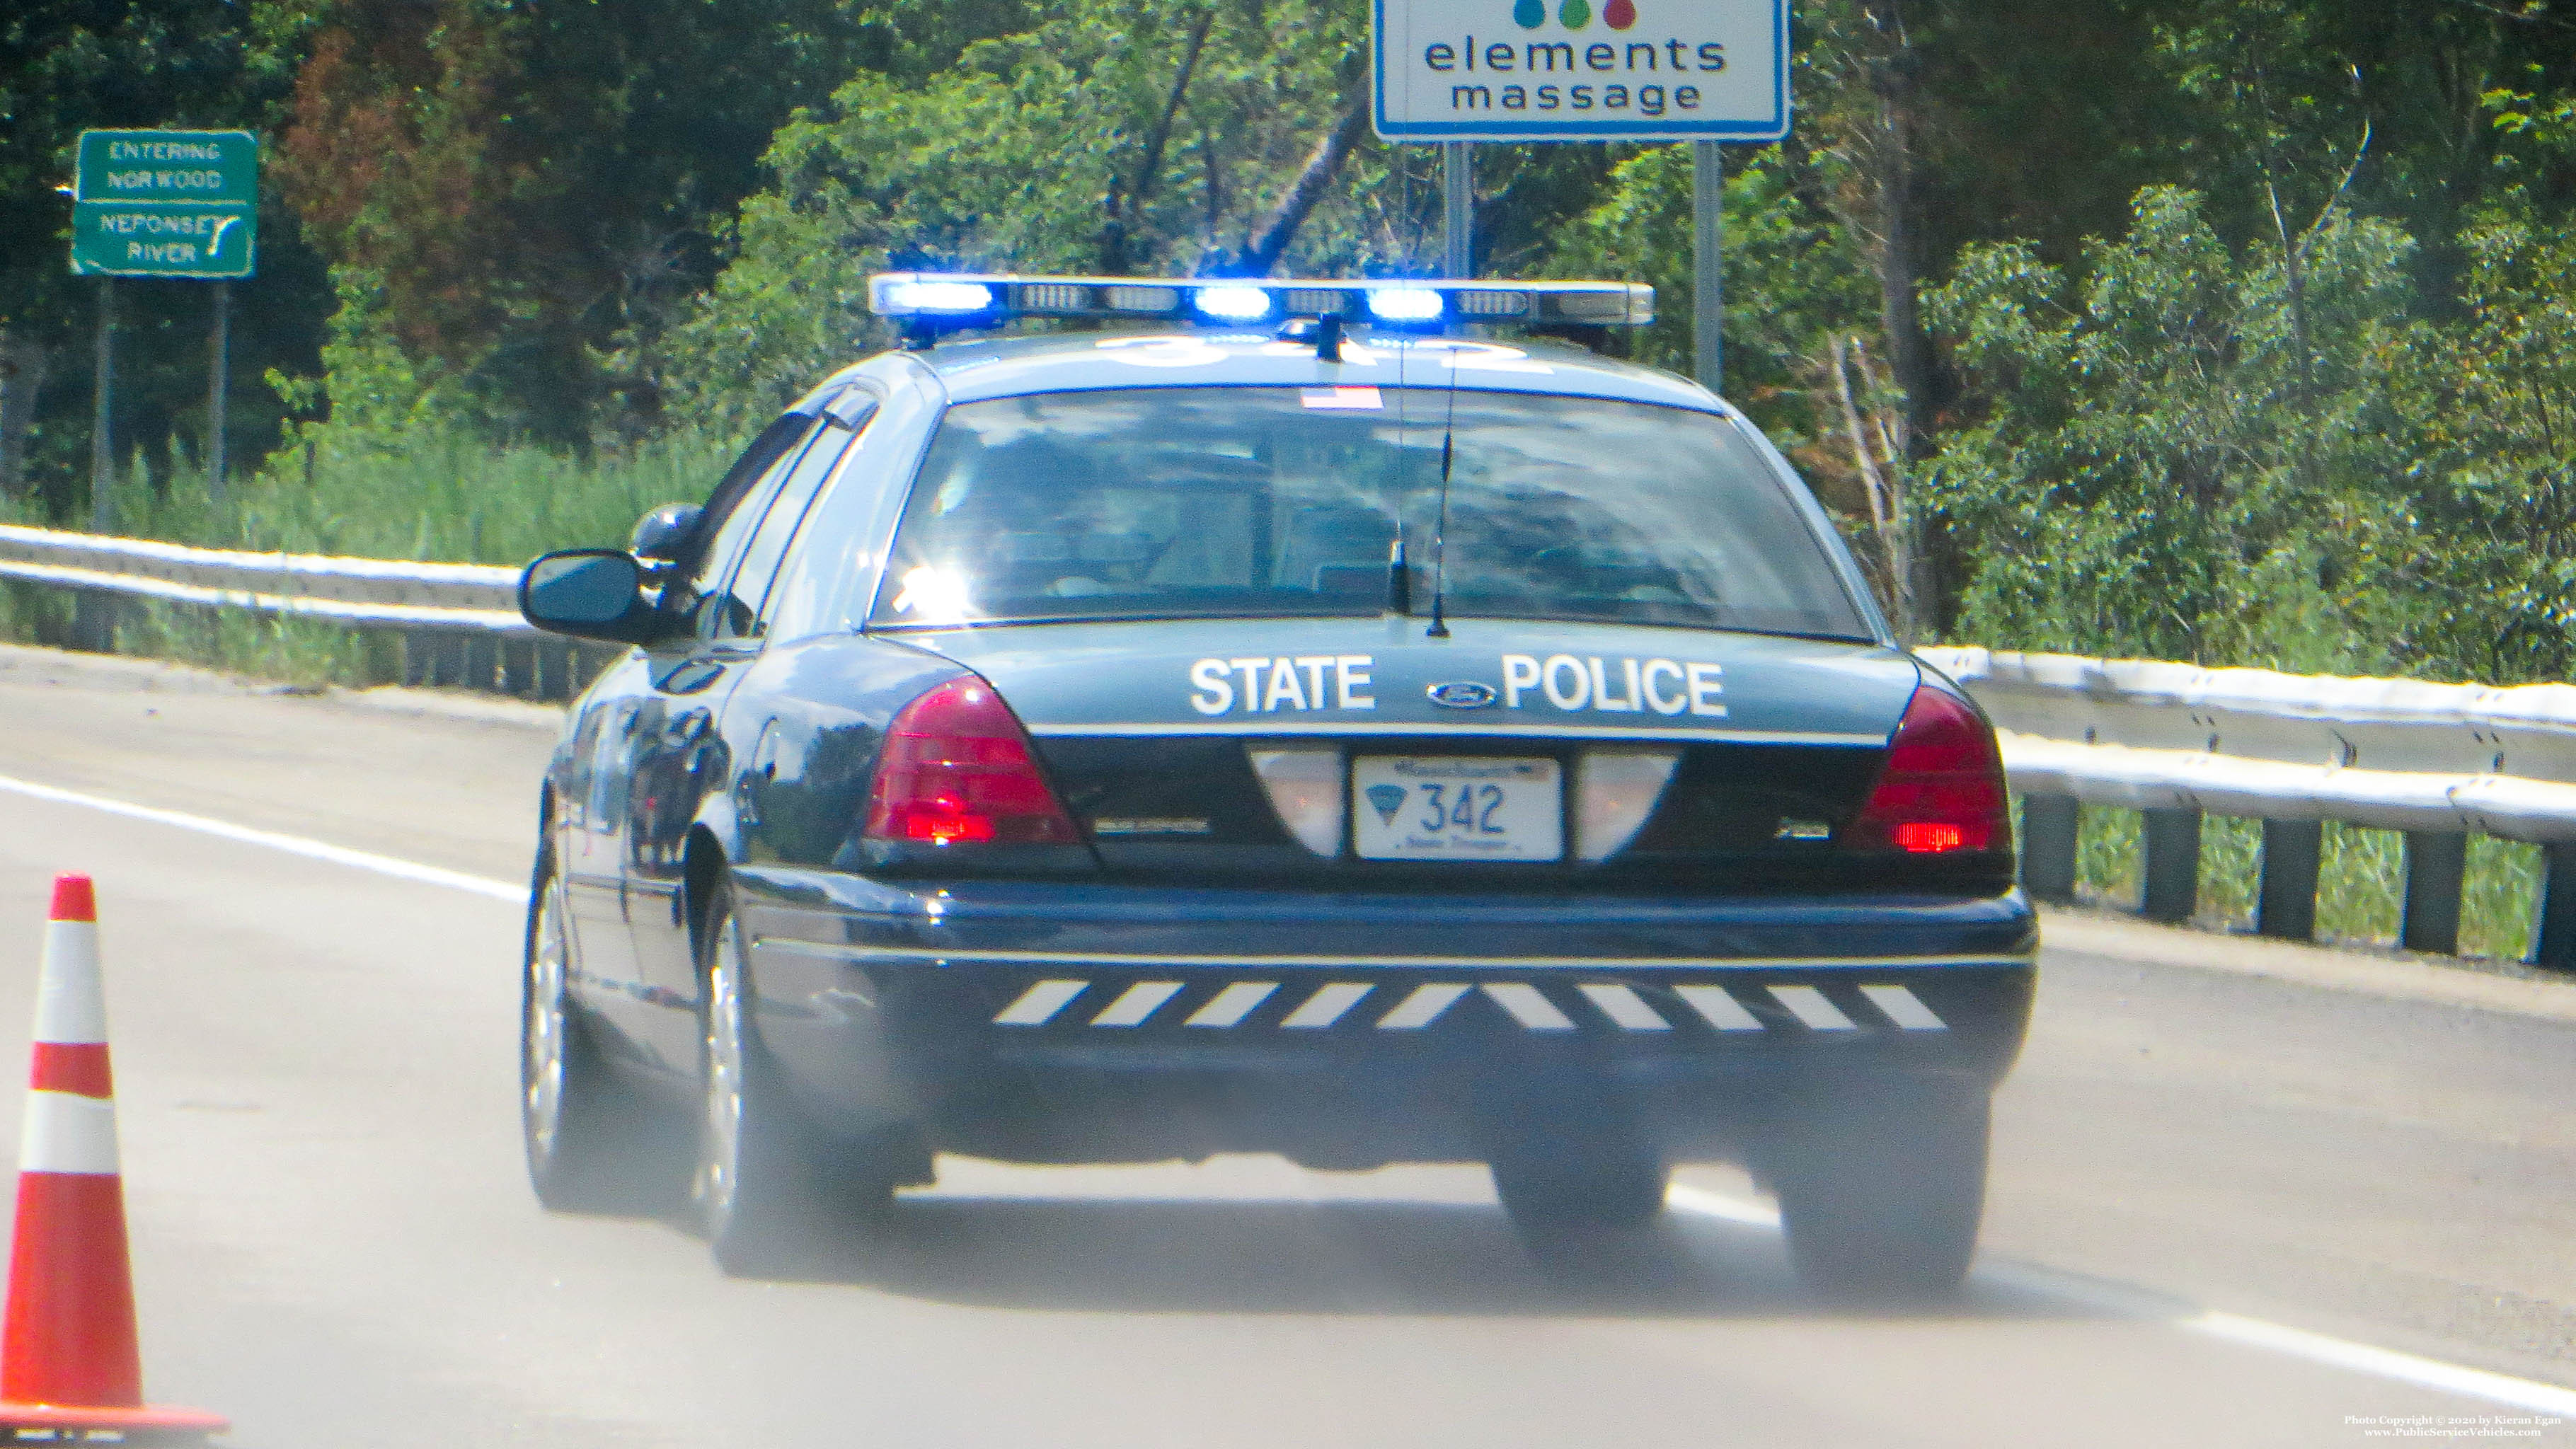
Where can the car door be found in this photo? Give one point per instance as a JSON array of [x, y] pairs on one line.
[[590, 846], [679, 754]]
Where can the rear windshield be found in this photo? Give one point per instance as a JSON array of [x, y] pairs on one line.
[[1180, 502]]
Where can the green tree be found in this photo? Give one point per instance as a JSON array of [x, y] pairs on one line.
[[1160, 136], [533, 186], [2139, 481]]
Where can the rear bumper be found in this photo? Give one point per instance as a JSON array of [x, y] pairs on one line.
[[1060, 1022]]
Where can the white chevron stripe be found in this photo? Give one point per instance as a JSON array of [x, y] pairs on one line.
[[1719, 1008], [1625, 1007], [1327, 1005], [1039, 1003], [1422, 1008], [1904, 1008], [1528, 1006], [1230, 1006], [68, 1133], [1136, 1003], [1810, 1006]]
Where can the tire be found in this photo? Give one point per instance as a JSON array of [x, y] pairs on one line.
[[754, 1187], [586, 1132], [1885, 1203], [1553, 1195]]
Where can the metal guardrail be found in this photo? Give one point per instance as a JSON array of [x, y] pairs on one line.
[[443, 623], [2438, 762]]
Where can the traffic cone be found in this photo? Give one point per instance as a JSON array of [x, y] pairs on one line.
[[68, 1362]]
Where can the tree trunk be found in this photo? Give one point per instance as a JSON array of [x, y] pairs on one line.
[[1322, 165], [1894, 80], [1127, 199], [1894, 71], [24, 364]]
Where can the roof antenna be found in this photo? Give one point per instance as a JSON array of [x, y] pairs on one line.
[[1328, 337], [1440, 529]]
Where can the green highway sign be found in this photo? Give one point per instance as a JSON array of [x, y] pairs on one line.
[[189, 166], [166, 204], [148, 239]]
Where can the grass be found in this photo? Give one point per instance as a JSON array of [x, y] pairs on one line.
[[2361, 880], [442, 499]]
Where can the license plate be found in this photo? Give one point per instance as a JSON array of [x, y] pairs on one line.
[[1456, 807]]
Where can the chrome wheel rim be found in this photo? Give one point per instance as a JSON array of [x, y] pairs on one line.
[[720, 1134], [542, 1033]]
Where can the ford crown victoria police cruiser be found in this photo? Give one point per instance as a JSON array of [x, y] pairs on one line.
[[1287, 727]]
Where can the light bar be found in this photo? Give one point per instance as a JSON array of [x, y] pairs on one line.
[[1234, 304], [934, 301], [918, 296], [1406, 304]]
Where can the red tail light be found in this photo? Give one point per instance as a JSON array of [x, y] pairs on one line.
[[1942, 789], [956, 770]]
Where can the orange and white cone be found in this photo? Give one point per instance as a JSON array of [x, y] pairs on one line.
[[68, 1362]]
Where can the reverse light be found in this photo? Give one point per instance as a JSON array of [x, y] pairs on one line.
[[1305, 787], [1404, 304], [1614, 792], [956, 770], [1942, 788], [1234, 304]]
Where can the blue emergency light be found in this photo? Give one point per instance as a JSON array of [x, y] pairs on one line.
[[940, 301]]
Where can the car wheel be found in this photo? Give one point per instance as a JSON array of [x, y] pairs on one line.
[[583, 1128], [1551, 1194], [1886, 1203], [753, 1187]]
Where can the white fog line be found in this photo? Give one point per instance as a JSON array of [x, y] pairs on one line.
[[2316, 1348], [269, 839]]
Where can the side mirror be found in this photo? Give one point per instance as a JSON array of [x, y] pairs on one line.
[[662, 535], [591, 593]]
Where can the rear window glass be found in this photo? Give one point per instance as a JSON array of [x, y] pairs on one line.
[[1250, 501]]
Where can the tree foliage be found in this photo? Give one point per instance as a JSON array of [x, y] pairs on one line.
[[2227, 329]]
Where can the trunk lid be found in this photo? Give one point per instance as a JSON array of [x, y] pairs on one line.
[[1151, 732]]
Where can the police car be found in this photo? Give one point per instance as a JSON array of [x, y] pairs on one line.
[[1272, 721]]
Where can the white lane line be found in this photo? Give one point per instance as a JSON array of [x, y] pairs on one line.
[[513, 892], [2298, 1343]]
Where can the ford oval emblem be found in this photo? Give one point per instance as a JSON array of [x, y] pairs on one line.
[[1462, 694]]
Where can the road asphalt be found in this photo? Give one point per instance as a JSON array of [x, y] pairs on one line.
[[336, 1245]]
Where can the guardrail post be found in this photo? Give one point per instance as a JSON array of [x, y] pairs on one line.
[[518, 667], [482, 662], [2287, 904], [2049, 824], [2437, 862], [2172, 891], [2553, 936], [555, 670]]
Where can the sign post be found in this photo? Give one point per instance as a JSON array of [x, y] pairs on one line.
[[1458, 208], [1703, 71], [163, 204]]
